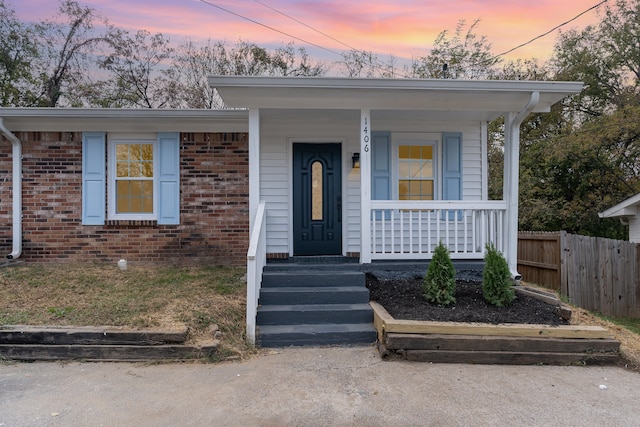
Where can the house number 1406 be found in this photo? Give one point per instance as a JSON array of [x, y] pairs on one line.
[[365, 136]]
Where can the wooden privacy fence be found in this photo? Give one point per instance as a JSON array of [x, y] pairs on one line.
[[595, 273]]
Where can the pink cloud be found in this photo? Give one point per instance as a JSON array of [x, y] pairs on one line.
[[405, 28]]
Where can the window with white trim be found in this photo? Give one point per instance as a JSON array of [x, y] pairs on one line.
[[132, 179], [415, 163]]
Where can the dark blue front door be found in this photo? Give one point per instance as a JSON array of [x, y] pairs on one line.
[[317, 199]]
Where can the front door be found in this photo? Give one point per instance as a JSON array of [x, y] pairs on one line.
[[317, 199]]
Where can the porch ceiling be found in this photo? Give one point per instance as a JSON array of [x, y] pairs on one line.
[[477, 99]]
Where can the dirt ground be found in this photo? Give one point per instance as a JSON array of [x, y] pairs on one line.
[[403, 299]]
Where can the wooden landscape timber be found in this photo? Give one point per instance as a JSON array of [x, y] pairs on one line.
[[31, 343], [516, 344]]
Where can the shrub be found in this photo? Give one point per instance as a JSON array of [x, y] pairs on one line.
[[497, 286], [439, 284]]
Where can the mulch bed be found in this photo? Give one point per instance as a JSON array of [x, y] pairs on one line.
[[402, 298]]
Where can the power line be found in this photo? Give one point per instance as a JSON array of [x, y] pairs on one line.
[[378, 64], [253, 21], [304, 24], [553, 29]]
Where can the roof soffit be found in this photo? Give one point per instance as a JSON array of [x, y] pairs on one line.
[[389, 94]]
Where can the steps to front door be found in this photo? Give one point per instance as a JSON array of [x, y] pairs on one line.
[[308, 307]]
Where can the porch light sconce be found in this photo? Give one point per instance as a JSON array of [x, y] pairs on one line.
[[356, 160]]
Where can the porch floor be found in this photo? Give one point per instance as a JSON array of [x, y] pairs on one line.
[[465, 269]]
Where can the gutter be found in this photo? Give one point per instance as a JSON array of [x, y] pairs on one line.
[[17, 191], [514, 154]]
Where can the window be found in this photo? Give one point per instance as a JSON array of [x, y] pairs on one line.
[[415, 172], [317, 193], [142, 178], [416, 166], [132, 180], [414, 158]]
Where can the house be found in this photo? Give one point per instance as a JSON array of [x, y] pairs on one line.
[[628, 212], [371, 169]]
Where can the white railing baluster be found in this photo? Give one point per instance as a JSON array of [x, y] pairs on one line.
[[411, 229], [374, 235], [401, 240], [392, 233], [456, 224]]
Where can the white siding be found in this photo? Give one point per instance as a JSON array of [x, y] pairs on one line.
[[634, 229], [280, 129]]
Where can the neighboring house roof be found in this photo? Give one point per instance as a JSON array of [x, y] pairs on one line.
[[443, 98], [123, 120], [627, 208]]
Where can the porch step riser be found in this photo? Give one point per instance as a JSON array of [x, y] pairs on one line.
[[299, 315], [314, 304], [312, 279], [295, 296], [311, 267], [312, 335]]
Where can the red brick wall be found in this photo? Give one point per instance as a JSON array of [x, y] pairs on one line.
[[214, 209]]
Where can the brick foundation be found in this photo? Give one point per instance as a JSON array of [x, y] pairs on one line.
[[214, 209]]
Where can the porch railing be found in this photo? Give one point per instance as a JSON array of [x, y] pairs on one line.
[[412, 229], [256, 260]]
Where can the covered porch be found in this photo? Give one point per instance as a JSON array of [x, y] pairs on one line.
[[389, 224]]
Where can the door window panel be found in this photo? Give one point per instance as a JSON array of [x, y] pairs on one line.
[[316, 192]]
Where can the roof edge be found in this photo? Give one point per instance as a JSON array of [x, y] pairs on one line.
[[396, 84]]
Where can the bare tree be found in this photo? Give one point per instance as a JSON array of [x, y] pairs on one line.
[[463, 56], [66, 46], [186, 79], [361, 63], [17, 52], [135, 67]]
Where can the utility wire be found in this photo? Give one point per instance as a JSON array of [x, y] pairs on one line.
[[378, 64], [553, 29], [304, 24], [253, 21]]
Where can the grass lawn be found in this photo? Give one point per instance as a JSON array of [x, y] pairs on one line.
[[141, 297]]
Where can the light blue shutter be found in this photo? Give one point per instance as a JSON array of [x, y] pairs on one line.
[[381, 168], [452, 167], [93, 178], [169, 178]]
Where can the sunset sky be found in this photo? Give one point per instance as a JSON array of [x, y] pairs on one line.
[[404, 28]]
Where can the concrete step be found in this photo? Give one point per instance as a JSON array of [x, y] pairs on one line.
[[290, 295], [307, 278], [314, 314], [313, 335]]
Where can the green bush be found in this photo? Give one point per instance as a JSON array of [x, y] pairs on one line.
[[439, 284], [497, 286]]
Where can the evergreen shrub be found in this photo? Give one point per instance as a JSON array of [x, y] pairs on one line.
[[497, 285], [439, 285]]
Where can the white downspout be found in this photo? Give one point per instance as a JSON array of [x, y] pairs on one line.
[[512, 174], [17, 191]]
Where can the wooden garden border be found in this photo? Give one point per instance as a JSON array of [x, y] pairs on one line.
[[458, 342]]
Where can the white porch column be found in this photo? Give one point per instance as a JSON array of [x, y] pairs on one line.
[[511, 176], [365, 186], [254, 165]]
